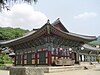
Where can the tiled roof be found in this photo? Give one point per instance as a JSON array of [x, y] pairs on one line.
[[65, 33], [86, 46]]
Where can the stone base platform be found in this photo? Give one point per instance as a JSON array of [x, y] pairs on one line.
[[26, 71], [40, 70], [65, 68]]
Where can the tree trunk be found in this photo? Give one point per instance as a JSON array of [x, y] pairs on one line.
[[0, 7]]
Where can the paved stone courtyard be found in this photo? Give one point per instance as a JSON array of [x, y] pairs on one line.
[[94, 71], [78, 72]]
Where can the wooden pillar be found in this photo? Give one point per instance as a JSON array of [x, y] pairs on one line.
[[84, 58], [36, 58], [67, 53], [15, 57], [23, 59], [70, 55], [77, 57], [54, 53], [59, 53], [49, 58], [15, 60], [73, 56], [27, 57]]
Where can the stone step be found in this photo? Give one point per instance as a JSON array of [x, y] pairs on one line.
[[65, 68]]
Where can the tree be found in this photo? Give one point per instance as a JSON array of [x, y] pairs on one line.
[[3, 3], [8, 33], [5, 59], [95, 42]]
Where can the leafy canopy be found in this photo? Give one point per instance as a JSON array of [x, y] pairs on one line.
[[96, 42], [11, 33], [4, 3], [5, 59]]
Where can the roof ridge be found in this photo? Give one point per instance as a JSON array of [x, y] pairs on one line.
[[60, 23], [83, 35]]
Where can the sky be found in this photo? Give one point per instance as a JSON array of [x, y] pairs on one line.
[[78, 16]]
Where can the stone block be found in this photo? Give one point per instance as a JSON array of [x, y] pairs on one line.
[[26, 71]]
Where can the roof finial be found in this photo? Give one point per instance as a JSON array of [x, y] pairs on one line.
[[58, 18], [48, 21]]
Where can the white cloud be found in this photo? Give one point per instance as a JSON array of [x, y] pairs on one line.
[[23, 16], [86, 15]]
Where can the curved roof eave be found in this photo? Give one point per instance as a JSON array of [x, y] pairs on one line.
[[86, 46], [9, 41], [77, 36], [73, 35], [23, 37], [89, 38]]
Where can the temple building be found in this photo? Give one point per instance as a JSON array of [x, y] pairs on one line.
[[50, 42], [88, 53]]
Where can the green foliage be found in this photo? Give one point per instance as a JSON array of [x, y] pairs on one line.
[[96, 42], [6, 3], [5, 59], [11, 33]]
